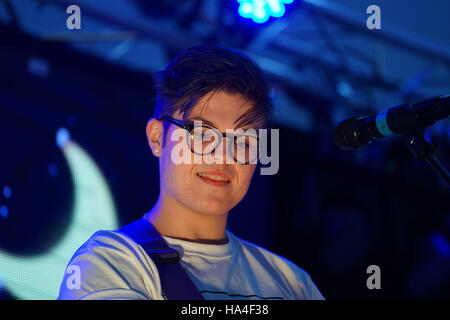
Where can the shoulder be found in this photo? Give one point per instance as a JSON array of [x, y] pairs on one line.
[[111, 264], [108, 245], [104, 241], [285, 270]]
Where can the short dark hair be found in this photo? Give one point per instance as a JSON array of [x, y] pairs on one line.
[[202, 69]]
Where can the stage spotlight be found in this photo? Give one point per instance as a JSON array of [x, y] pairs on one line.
[[261, 10]]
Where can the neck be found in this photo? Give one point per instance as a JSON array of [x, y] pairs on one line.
[[171, 218]]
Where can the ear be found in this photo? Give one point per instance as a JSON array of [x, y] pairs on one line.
[[155, 134]]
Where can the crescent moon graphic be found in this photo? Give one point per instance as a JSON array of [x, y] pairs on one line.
[[40, 277]]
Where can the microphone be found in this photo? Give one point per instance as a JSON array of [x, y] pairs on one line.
[[356, 132]]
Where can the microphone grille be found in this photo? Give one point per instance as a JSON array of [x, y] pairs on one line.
[[345, 136]]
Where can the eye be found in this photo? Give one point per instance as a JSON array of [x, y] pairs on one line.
[[245, 141], [197, 134], [203, 133]]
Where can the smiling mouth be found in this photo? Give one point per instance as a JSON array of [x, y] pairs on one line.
[[214, 177]]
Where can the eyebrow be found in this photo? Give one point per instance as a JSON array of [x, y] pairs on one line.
[[213, 124]]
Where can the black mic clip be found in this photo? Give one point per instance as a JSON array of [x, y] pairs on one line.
[[424, 151]]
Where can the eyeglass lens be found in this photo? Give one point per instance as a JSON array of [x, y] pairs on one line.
[[204, 140]]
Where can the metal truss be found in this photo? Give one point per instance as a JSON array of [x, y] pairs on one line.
[[320, 48]]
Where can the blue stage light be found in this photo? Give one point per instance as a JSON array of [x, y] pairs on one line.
[[7, 191], [261, 10], [62, 137], [53, 170], [440, 243], [246, 10], [3, 211], [260, 15]]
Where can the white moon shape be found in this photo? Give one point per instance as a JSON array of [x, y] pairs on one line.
[[39, 277]]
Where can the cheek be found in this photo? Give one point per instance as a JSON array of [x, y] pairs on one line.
[[245, 174], [178, 177]]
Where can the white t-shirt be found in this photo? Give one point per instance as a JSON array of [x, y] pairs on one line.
[[113, 266]]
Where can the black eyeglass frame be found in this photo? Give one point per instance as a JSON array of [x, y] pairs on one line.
[[189, 127]]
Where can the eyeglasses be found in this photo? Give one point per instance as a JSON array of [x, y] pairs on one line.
[[203, 140]]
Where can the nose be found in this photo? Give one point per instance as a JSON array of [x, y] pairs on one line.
[[223, 153]]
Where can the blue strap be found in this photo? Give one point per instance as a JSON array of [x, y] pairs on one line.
[[175, 283]]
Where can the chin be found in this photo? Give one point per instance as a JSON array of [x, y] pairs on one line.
[[213, 207]]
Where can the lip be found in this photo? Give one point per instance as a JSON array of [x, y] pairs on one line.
[[217, 173], [213, 182]]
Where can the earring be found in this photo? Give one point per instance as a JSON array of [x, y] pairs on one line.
[[156, 150]]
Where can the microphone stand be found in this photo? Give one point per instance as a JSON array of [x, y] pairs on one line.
[[424, 151]]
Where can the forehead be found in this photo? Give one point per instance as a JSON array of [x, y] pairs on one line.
[[224, 109]]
